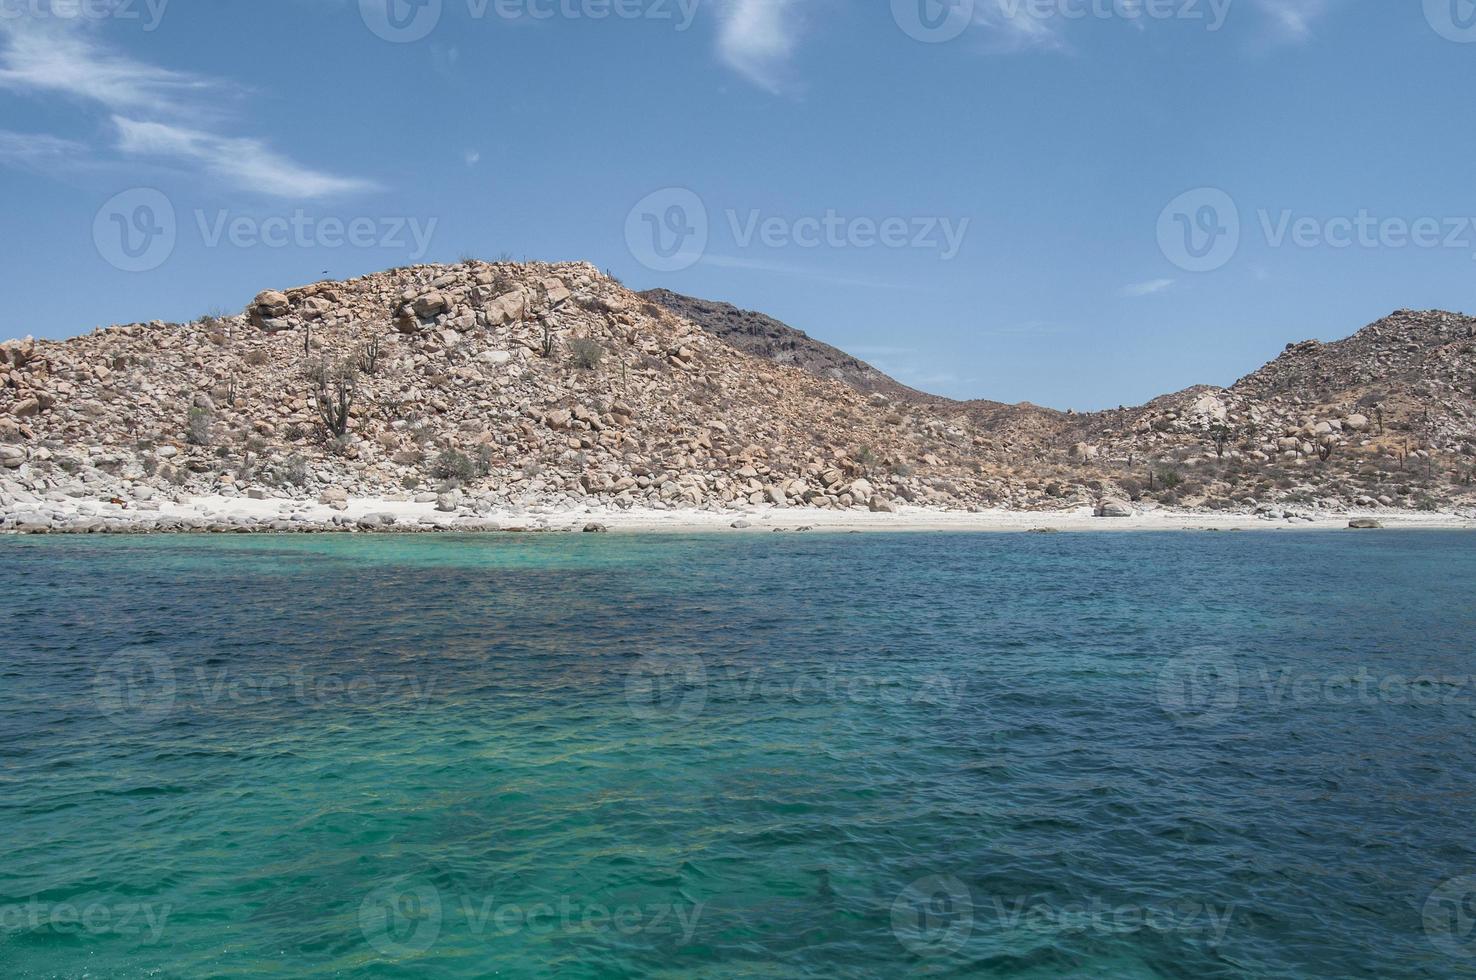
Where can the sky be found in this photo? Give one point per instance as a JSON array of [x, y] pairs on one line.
[[1077, 203]]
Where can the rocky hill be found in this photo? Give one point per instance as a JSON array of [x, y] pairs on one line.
[[489, 386], [763, 336], [1385, 417], [496, 384]]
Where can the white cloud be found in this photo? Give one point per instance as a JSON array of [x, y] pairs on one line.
[[1148, 288], [1292, 20], [1012, 26], [1017, 25], [757, 38], [245, 162], [60, 57], [51, 58], [37, 149], [473, 157]]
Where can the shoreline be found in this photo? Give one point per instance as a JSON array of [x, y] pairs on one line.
[[280, 515]]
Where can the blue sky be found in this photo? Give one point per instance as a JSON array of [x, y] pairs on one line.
[[1082, 203]]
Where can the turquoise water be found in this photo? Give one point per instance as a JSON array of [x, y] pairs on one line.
[[1114, 755]]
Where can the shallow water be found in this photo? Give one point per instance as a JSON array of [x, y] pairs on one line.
[[1127, 755]]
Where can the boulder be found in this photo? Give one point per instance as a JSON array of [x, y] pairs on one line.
[[1207, 408], [11, 457], [594, 528], [429, 305], [509, 306], [269, 310], [272, 303], [1114, 507], [334, 497], [880, 505], [1364, 524], [1356, 423]]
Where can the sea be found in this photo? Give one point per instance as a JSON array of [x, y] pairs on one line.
[[1134, 755]]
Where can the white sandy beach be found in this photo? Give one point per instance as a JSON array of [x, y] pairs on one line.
[[274, 514]]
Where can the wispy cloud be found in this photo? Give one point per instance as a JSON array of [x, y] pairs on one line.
[[37, 150], [757, 39], [1012, 26], [1148, 288], [155, 112], [59, 57], [244, 162], [1019, 25], [1291, 21]]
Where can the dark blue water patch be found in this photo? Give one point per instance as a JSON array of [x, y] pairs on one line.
[[1126, 755]]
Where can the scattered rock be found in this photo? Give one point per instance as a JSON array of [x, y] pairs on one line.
[[1114, 507]]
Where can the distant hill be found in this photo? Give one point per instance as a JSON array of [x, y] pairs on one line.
[[763, 336]]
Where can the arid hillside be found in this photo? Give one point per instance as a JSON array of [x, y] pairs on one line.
[[525, 383], [485, 385]]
